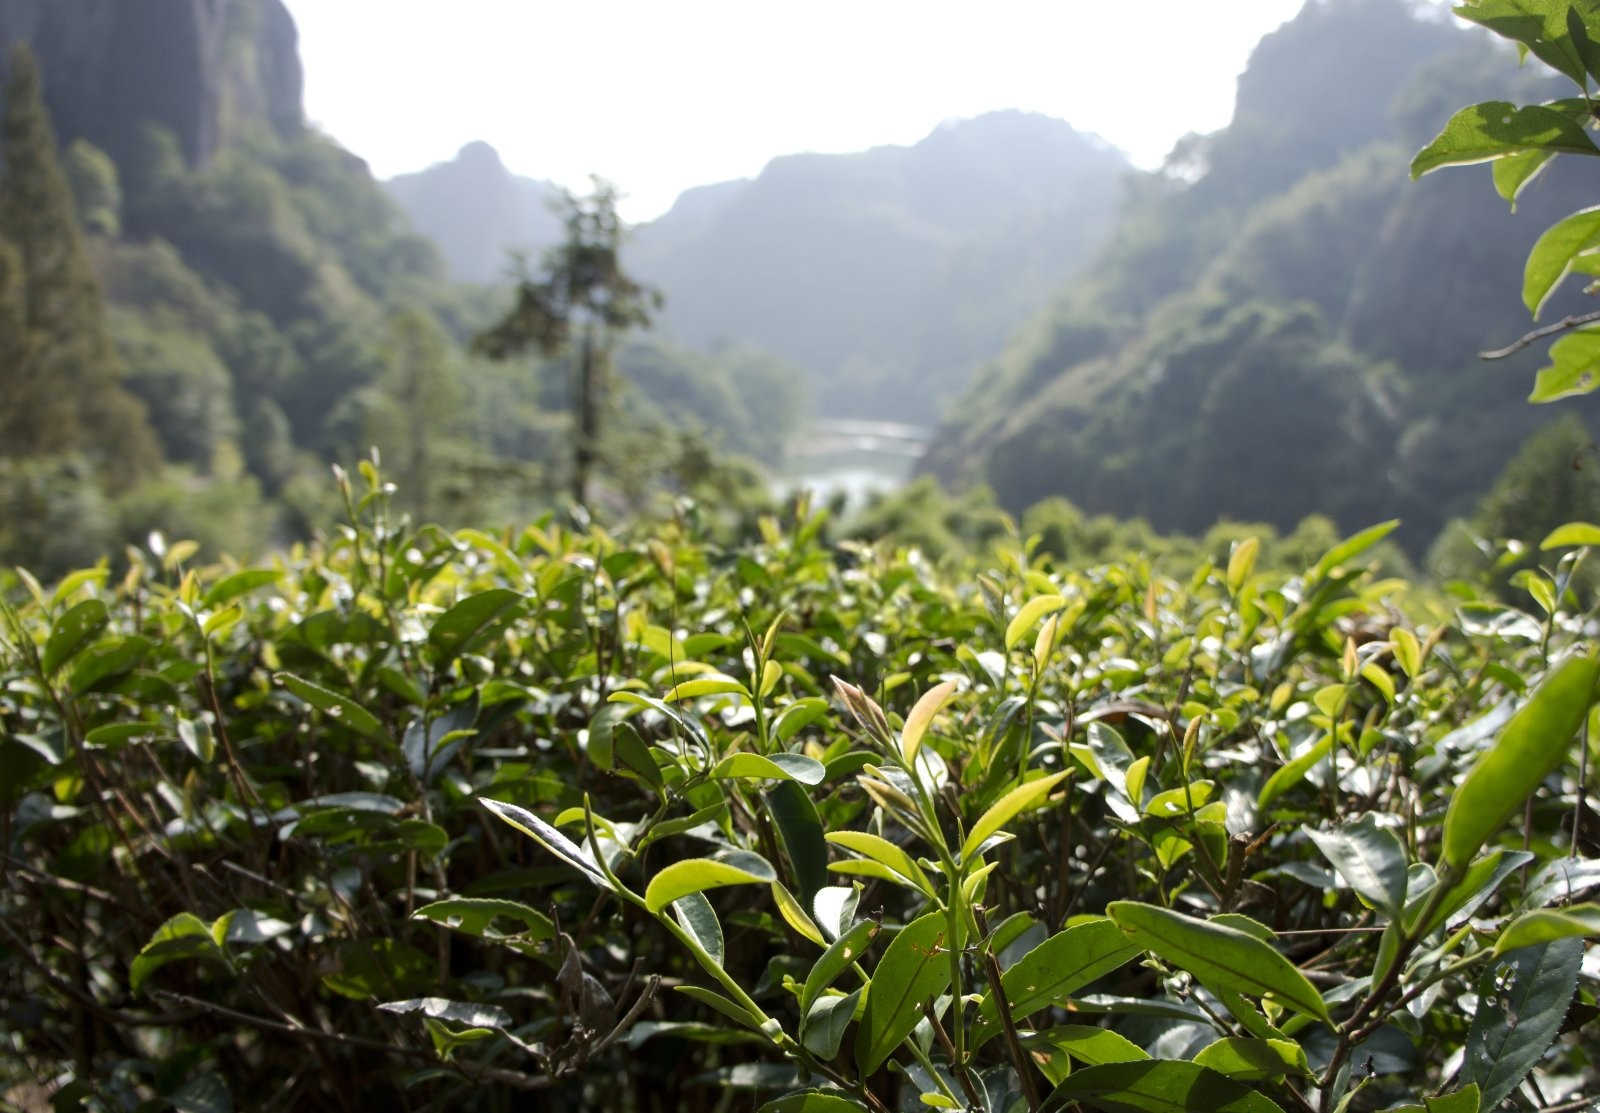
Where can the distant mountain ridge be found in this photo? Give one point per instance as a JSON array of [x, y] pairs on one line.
[[885, 274], [478, 212]]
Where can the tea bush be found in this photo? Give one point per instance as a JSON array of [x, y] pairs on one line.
[[579, 820]]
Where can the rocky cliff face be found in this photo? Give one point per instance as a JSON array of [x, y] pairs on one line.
[[202, 68]]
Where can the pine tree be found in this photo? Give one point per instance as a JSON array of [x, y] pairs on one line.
[[584, 291], [62, 391]]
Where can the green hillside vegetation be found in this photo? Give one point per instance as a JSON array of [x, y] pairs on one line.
[[1282, 321], [196, 341]]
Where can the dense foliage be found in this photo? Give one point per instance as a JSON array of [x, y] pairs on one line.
[[1521, 141], [790, 817]]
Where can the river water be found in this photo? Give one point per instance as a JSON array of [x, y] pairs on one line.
[[856, 458]]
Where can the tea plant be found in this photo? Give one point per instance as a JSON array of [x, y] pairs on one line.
[[1520, 142], [432, 819]]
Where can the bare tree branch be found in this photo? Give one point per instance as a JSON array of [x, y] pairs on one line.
[[1575, 321]]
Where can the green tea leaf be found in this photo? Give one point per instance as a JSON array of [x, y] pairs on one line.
[[1573, 533], [1539, 26], [332, 704], [551, 839], [105, 662], [183, 936], [1219, 956], [730, 1009], [229, 588], [473, 620], [1407, 650], [798, 715], [913, 971], [477, 915], [881, 850], [1028, 617], [1465, 1100], [695, 914], [775, 767], [1005, 809], [706, 686], [1249, 1060], [73, 632], [1530, 746], [1088, 1044], [693, 875], [920, 716], [1521, 1004], [825, 1023], [1574, 367], [1370, 858], [1293, 772], [813, 1101], [1514, 173], [843, 951], [1350, 548], [1498, 128], [1157, 1086], [1548, 925], [1553, 253], [1054, 970]]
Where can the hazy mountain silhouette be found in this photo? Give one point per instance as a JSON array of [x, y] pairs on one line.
[[887, 274], [478, 212]]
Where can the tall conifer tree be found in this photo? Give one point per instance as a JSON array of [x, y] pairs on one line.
[[63, 393]]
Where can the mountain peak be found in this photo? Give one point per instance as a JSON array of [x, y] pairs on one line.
[[481, 157]]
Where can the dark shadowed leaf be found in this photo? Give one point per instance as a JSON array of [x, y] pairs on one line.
[[474, 619], [1521, 1003], [1370, 858], [801, 831]]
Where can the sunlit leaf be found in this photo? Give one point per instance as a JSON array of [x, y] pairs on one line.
[[1531, 745], [693, 875], [1220, 956], [913, 971]]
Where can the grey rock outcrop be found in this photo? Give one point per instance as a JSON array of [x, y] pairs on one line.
[[205, 69]]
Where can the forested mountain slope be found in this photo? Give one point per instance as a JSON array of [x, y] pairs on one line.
[[1283, 320], [253, 306]]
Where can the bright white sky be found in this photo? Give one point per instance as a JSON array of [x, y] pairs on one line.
[[661, 95]]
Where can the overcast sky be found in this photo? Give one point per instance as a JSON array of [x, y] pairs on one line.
[[661, 95]]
